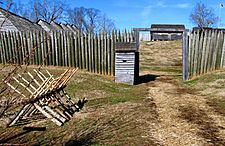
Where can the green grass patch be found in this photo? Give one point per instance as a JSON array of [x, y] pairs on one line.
[[100, 90], [205, 79], [169, 69]]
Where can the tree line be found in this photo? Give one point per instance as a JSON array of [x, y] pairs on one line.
[[85, 19], [91, 19]]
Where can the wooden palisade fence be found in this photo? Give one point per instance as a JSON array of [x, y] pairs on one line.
[[94, 52], [204, 52]]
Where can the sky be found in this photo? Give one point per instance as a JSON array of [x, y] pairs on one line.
[[142, 13]]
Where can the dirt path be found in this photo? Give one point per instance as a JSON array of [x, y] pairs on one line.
[[184, 117]]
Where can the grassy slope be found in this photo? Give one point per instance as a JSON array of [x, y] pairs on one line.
[[102, 94]]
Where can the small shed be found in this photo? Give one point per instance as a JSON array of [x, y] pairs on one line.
[[12, 22], [127, 63], [164, 32]]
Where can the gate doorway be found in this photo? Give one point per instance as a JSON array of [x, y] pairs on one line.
[[159, 58]]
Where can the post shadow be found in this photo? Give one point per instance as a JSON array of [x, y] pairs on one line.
[[146, 78]]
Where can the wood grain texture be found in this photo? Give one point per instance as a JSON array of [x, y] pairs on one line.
[[94, 52]]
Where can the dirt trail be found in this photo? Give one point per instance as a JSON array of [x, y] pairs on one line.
[[172, 130], [184, 116]]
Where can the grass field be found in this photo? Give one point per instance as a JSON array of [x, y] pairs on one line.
[[161, 110]]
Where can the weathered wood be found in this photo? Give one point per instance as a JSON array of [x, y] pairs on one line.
[[211, 49], [6, 46], [206, 52], [49, 49], [201, 39], [89, 61], [9, 50], [214, 51], [69, 50], [203, 52], [86, 54], [2, 52], [222, 61], [14, 44], [108, 69], [78, 56], [55, 114], [185, 56], [61, 48], [82, 51], [99, 54], [59, 123], [125, 64], [220, 50], [56, 37], [104, 63], [196, 48], [72, 45], [19, 114], [96, 54]]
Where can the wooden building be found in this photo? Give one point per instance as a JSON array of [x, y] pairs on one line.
[[126, 63], [12, 22], [49, 26], [72, 28], [164, 32], [55, 26]]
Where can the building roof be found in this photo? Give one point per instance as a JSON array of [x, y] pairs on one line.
[[56, 26], [72, 28], [45, 25], [20, 23], [64, 27], [168, 26], [126, 47]]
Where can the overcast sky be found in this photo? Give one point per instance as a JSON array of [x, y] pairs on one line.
[[142, 13]]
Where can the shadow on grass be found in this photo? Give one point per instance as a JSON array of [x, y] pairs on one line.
[[146, 78], [25, 131], [207, 127], [83, 140]]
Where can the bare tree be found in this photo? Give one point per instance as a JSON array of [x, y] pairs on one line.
[[92, 17], [48, 10], [203, 16], [76, 17], [7, 4], [106, 24], [89, 20]]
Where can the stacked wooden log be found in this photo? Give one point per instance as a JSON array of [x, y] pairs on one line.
[[44, 94]]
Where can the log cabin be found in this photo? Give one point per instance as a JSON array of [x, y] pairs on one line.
[[164, 32], [12, 22]]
